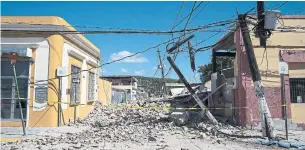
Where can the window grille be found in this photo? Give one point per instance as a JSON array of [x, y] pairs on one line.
[[297, 90], [75, 87], [91, 86]]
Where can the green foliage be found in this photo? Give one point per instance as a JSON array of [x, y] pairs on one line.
[[206, 70], [167, 80]]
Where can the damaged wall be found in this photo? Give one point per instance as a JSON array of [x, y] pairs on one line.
[[221, 102], [245, 96]]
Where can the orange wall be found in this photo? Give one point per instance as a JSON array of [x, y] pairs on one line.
[[48, 116], [105, 92], [297, 113]]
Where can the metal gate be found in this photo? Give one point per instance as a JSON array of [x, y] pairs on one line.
[[297, 90]]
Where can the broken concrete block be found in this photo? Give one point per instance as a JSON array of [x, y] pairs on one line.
[[152, 138], [209, 129], [202, 135], [179, 118]]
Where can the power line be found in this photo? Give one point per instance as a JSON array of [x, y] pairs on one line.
[[183, 34], [111, 61], [220, 23], [200, 11], [181, 7], [210, 46], [281, 5], [188, 15], [176, 54], [177, 16], [191, 13], [155, 72], [184, 50]]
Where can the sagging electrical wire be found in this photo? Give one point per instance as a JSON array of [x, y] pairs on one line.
[[213, 45], [281, 5], [186, 49], [183, 34], [155, 72], [67, 31], [188, 14], [181, 7], [207, 47], [139, 52], [200, 11]]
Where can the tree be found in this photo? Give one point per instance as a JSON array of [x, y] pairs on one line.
[[206, 70]]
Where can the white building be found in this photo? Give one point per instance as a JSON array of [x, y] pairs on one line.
[[128, 83]]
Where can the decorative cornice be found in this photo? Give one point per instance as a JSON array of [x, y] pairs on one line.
[[15, 28]]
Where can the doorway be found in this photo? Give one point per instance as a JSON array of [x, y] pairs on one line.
[[10, 110]]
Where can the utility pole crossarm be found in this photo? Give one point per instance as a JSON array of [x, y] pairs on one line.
[[179, 43]]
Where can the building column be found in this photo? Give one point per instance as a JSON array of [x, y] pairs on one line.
[[214, 61]]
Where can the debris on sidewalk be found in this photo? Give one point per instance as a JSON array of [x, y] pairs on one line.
[[124, 125], [138, 126]]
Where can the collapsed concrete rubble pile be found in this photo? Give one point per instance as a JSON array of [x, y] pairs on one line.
[[106, 124], [141, 95]]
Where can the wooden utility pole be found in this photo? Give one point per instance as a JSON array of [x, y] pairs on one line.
[[260, 17], [180, 43], [193, 92], [266, 120], [192, 56], [162, 72]]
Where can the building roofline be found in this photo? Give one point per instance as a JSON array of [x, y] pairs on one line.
[[120, 76], [224, 39], [47, 23], [285, 16]]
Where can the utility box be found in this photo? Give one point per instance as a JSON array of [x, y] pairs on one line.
[[271, 19]]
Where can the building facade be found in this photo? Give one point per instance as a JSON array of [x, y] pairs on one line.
[[128, 83], [41, 90], [286, 43]]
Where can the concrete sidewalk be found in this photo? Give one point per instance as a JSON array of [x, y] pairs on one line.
[[10, 134]]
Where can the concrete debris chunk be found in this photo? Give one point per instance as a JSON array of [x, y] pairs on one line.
[[179, 118], [115, 125], [151, 139]]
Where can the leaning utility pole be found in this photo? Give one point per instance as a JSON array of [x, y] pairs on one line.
[[162, 72], [266, 120], [260, 27], [192, 91]]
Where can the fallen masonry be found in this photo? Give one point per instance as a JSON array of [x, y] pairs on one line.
[[119, 125]]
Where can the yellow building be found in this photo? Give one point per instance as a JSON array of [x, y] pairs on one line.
[[38, 82]]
